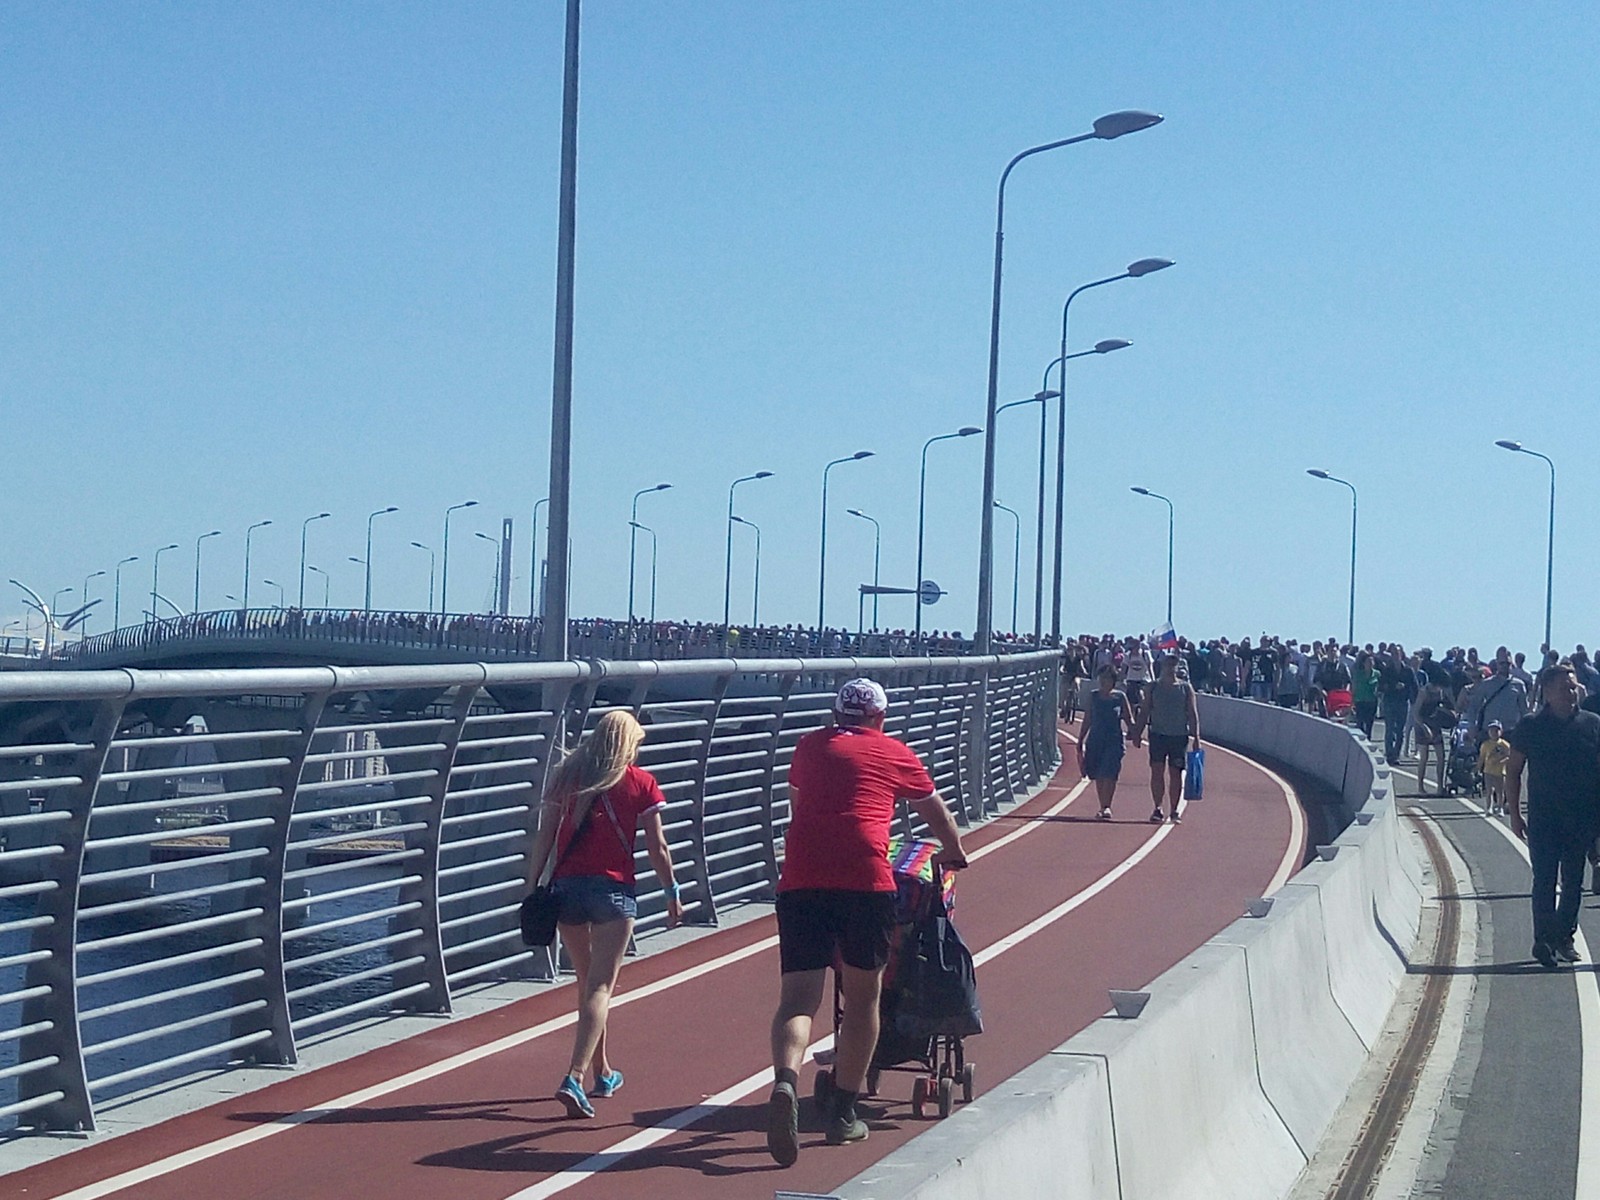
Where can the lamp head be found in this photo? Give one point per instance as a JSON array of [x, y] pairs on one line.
[[360, 562], [1110, 344], [661, 487], [1318, 472], [319, 516], [1115, 125], [1507, 444], [129, 559], [213, 533], [1047, 394], [968, 430], [1140, 490], [487, 538], [1147, 266], [419, 545], [859, 454], [391, 509], [171, 546], [855, 512], [763, 474]]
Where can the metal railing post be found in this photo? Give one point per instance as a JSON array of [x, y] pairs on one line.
[[769, 819], [702, 868]]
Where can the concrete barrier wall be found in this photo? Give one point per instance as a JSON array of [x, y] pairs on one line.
[[1226, 1082]]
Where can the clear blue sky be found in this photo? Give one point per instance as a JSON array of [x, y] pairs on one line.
[[262, 261]]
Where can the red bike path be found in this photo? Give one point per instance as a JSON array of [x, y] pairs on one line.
[[1061, 908]]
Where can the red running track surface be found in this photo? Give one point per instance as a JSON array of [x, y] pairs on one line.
[[1055, 913]]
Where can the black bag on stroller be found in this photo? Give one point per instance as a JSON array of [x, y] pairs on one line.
[[935, 989]]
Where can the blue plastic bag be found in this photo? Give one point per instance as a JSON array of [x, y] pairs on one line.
[[1194, 778]]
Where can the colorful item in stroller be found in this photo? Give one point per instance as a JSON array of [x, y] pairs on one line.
[[1463, 766]]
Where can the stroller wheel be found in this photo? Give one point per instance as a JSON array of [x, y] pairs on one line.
[[822, 1089], [874, 1074], [966, 1084], [947, 1091], [919, 1095]]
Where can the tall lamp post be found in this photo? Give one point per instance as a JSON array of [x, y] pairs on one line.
[[279, 586], [312, 567], [498, 564], [1112, 125], [1136, 270], [755, 594], [116, 591], [304, 525], [922, 512], [1550, 551], [1016, 560], [633, 536], [431, 560], [822, 556], [213, 533], [533, 551], [646, 529], [1040, 398], [367, 604], [1158, 496], [245, 602], [83, 625], [1318, 473], [155, 576], [727, 567], [444, 564], [877, 548]]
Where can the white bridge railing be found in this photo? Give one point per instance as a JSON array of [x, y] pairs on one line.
[[200, 867]]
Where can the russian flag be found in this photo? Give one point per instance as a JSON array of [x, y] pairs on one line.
[[1165, 638]]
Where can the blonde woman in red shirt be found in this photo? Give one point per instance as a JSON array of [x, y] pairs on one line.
[[597, 800]]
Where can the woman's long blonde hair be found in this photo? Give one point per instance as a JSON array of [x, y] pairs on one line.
[[599, 762]]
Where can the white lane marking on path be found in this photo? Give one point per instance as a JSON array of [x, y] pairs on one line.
[[1588, 1027], [236, 1141], [1296, 849]]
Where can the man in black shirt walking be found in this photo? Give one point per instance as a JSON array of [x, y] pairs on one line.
[[1560, 746]]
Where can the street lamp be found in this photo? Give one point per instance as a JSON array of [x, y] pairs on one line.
[[495, 542], [1136, 270], [304, 525], [822, 557], [877, 547], [1550, 552], [370, 518], [633, 530], [197, 541], [922, 511], [1318, 473], [755, 594], [727, 566], [431, 559], [279, 586], [534, 573], [155, 576], [1040, 397], [1112, 125], [646, 529], [245, 603], [1158, 496], [318, 570], [116, 591], [1016, 560], [444, 565], [83, 630]]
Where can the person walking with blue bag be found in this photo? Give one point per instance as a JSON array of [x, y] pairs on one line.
[[598, 799], [1172, 715]]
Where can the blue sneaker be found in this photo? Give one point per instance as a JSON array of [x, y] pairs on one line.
[[571, 1094], [606, 1085]]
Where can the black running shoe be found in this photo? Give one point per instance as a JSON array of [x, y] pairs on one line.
[[846, 1127], [1566, 951], [1544, 953], [783, 1125]]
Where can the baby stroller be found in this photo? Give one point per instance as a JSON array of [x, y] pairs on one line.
[[1463, 766], [929, 1003]]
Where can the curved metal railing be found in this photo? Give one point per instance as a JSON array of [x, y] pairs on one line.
[[206, 867]]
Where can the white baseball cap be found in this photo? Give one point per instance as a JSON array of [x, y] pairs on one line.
[[861, 698]]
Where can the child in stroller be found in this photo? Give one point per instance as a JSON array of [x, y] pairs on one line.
[[1465, 778]]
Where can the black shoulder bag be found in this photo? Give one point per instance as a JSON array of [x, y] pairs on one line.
[[537, 914]]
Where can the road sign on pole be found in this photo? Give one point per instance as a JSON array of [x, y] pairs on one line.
[[929, 592]]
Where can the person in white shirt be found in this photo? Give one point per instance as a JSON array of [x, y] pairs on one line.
[[1137, 668]]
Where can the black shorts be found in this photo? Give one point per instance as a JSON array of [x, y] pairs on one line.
[[816, 925], [1173, 748]]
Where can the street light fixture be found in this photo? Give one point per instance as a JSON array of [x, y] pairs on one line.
[[1135, 270], [304, 526], [1112, 125], [245, 603], [1158, 496], [646, 529], [431, 559], [1016, 559], [877, 547], [213, 533], [755, 594], [1040, 398], [1550, 551], [727, 566], [279, 586], [444, 564], [1318, 473], [370, 518], [155, 576], [495, 542], [534, 572], [922, 511], [633, 530], [116, 591], [83, 630], [318, 570], [822, 557]]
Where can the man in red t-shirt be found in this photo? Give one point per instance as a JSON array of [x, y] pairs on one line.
[[836, 898]]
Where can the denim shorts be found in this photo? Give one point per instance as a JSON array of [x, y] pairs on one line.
[[593, 900]]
